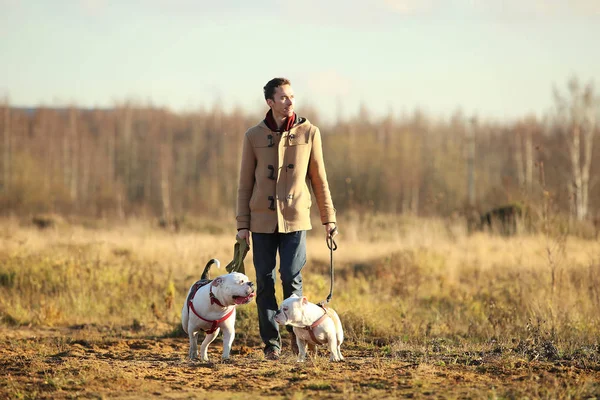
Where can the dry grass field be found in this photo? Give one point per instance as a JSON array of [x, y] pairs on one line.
[[91, 310]]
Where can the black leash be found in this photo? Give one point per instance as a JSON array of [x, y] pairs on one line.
[[332, 245]]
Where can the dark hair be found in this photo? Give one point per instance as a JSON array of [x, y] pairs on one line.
[[273, 84]]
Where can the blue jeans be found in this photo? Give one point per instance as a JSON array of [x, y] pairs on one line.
[[292, 257]]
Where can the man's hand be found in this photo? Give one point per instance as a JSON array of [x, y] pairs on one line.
[[330, 229], [244, 234]]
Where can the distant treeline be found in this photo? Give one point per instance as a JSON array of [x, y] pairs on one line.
[[139, 161]]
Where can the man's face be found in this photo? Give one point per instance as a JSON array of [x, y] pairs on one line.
[[283, 101]]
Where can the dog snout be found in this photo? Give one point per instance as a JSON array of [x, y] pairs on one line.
[[250, 289]]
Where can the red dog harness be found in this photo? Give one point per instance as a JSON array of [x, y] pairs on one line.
[[315, 324], [213, 300]]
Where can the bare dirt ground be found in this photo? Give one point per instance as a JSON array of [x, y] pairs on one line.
[[101, 362]]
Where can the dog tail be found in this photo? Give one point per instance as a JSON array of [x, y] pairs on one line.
[[205, 273]]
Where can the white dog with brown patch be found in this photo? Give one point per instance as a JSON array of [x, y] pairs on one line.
[[211, 306], [312, 324]]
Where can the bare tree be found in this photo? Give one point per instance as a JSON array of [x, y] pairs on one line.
[[575, 119], [470, 154], [6, 148], [165, 181], [73, 144], [524, 132]]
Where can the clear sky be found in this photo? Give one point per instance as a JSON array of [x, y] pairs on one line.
[[498, 59]]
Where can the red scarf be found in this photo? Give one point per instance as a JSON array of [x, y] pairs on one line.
[[272, 124]]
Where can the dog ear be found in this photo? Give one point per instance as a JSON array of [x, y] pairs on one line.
[[304, 300], [217, 281]]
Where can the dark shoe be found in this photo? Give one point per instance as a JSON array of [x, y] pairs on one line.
[[272, 353], [294, 344]]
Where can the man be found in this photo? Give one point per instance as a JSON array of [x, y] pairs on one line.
[[280, 157]]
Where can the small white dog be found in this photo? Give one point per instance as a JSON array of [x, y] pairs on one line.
[[211, 306], [313, 325]]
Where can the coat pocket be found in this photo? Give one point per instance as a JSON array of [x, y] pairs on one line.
[[298, 205], [252, 202]]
